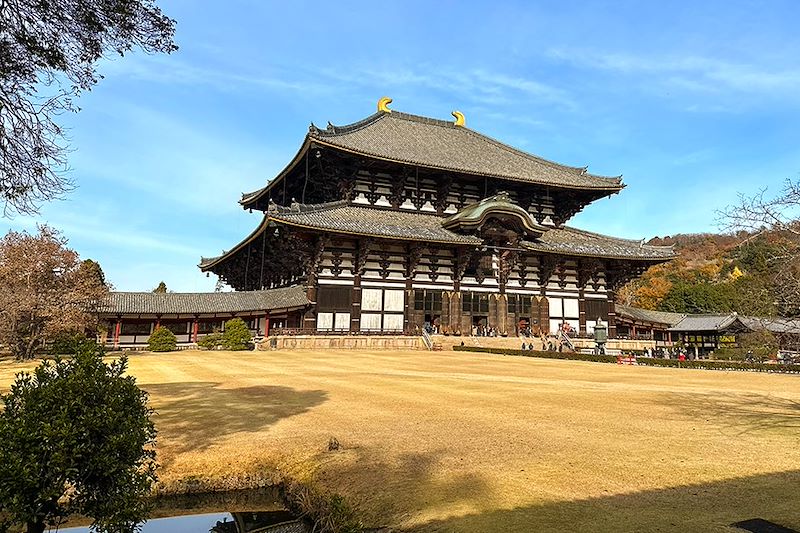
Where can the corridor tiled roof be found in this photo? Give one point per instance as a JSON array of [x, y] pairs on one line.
[[648, 315], [440, 144], [144, 303], [572, 241], [705, 322]]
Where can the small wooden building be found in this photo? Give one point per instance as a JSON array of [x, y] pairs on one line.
[[643, 324]]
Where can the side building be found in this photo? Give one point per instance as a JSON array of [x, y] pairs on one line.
[[130, 317], [398, 222]]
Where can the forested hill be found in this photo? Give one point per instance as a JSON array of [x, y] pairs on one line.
[[715, 274]]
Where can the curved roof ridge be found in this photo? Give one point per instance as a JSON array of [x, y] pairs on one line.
[[640, 242], [176, 293], [307, 208], [581, 171], [334, 130]]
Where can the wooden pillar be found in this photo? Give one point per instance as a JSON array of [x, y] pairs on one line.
[[117, 328], [582, 311], [266, 323], [195, 329], [444, 318], [407, 307], [355, 308], [309, 315], [544, 315], [612, 316], [492, 318], [502, 314], [455, 312]]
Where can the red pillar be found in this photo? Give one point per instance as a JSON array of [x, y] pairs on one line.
[[195, 328], [117, 328], [266, 324]]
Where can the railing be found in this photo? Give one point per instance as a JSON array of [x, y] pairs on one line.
[[564, 338], [315, 331], [426, 338]]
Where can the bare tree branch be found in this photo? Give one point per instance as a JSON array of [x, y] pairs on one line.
[[48, 52]]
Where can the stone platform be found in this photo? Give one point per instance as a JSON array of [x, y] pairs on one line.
[[342, 342]]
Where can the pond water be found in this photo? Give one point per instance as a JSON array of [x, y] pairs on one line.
[[230, 512]]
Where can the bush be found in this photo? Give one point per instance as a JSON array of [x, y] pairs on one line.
[[236, 335], [71, 344], [211, 341], [162, 340], [76, 437], [645, 361]]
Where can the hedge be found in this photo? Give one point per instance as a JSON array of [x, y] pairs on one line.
[[645, 361]]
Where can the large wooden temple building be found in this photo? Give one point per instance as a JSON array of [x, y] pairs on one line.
[[398, 222]]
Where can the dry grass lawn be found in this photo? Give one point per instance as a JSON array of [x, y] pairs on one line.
[[470, 442]]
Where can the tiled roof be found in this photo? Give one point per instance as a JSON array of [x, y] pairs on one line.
[[438, 144], [709, 322], [571, 241], [775, 325], [646, 315], [123, 303], [369, 221]]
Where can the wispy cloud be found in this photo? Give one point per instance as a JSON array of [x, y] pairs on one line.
[[476, 85], [690, 72]]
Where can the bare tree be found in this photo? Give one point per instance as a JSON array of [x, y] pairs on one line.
[[45, 290], [777, 219], [48, 54]]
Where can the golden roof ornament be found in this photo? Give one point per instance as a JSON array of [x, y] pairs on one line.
[[459, 117], [383, 104]]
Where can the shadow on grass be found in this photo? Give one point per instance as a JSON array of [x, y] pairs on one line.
[[741, 413], [701, 507], [194, 416], [391, 490]]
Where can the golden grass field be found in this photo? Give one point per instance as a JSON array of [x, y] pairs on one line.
[[451, 441]]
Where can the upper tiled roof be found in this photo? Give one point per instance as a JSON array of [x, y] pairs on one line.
[[356, 220], [438, 144], [646, 315], [571, 241], [183, 303]]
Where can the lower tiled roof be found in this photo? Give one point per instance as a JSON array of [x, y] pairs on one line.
[[356, 220], [572, 241], [185, 303]]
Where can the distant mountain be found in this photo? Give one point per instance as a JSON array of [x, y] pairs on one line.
[[714, 273]]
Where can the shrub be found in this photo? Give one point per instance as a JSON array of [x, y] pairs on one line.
[[71, 344], [211, 341], [236, 335], [162, 340], [76, 437], [646, 361]]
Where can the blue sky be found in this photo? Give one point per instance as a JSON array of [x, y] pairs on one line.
[[693, 102]]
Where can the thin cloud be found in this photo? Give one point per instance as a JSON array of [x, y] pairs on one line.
[[696, 73]]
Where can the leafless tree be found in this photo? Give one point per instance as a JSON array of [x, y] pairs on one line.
[[776, 218], [48, 54], [45, 290]]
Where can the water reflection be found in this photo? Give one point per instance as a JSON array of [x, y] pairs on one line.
[[229, 512], [245, 522]]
